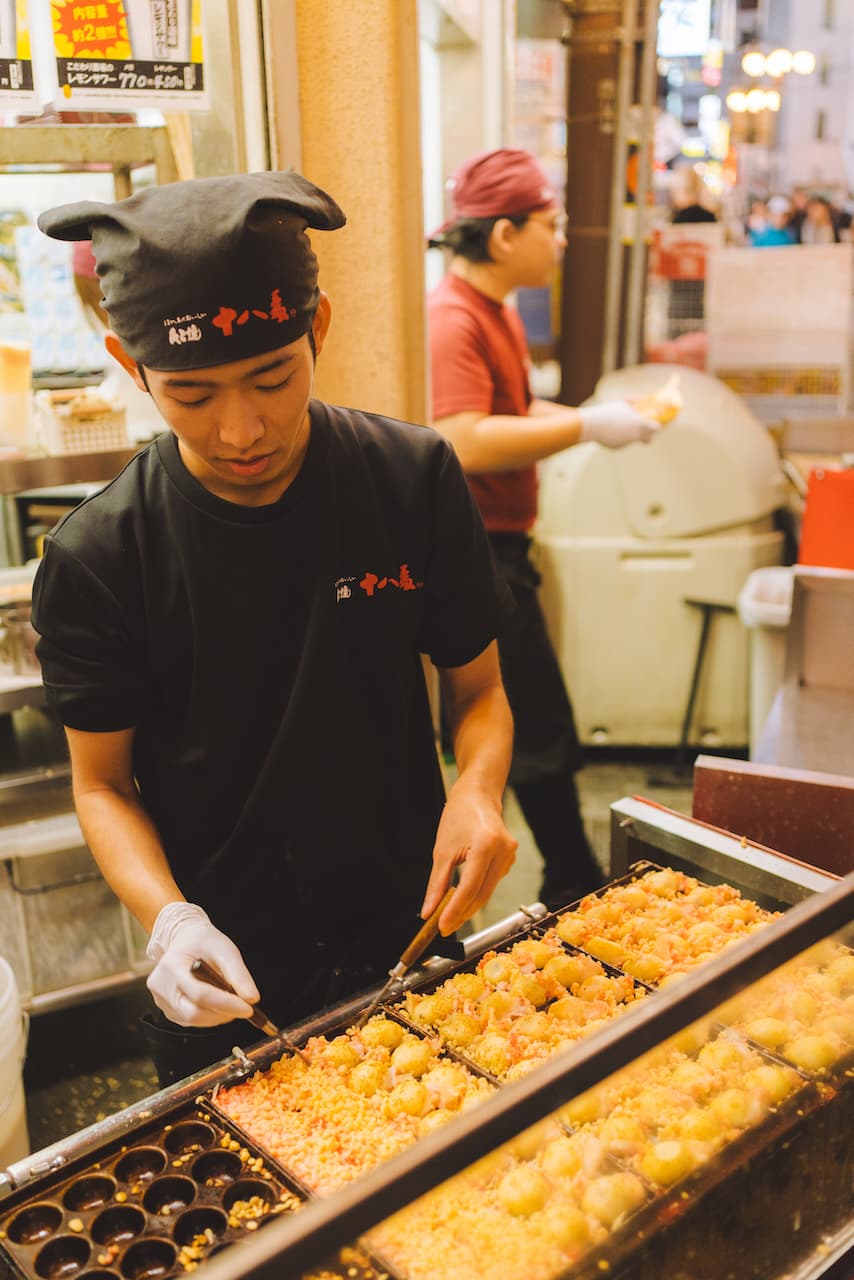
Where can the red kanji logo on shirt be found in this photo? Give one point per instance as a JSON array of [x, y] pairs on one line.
[[372, 583]]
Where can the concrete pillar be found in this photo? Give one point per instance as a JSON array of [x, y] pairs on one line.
[[358, 137]]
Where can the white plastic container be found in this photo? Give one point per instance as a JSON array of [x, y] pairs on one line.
[[765, 606], [14, 1139]]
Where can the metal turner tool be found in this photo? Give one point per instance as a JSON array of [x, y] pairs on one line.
[[413, 952], [205, 973]]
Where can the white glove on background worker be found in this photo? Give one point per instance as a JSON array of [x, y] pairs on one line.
[[615, 423], [183, 933]]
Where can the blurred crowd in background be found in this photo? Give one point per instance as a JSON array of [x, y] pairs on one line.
[[779, 218]]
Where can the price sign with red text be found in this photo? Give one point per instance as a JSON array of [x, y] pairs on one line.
[[116, 54]]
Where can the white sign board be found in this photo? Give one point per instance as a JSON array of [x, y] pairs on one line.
[[16, 64], [684, 27], [780, 325]]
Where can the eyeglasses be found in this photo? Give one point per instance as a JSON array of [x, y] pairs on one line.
[[554, 223]]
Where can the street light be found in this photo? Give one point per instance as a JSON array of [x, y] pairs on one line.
[[803, 62], [779, 63], [755, 101], [736, 101], [753, 63]]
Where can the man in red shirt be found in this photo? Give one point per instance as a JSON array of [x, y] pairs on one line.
[[506, 231]]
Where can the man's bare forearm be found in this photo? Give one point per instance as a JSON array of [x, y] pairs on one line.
[[505, 442], [482, 734], [125, 844]]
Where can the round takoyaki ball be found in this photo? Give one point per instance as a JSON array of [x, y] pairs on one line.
[[584, 1109], [604, 949], [499, 969], [613, 1197], [622, 1135], [446, 1082], [570, 969], [409, 1098], [532, 953], [459, 1030], [430, 1010], [497, 1004], [369, 1076], [771, 1083], [646, 968], [632, 897], [412, 1057], [840, 1025], [492, 1053], [569, 1009], [725, 1055], [572, 929], [842, 968], [735, 1109], [664, 884], [341, 1052], [666, 1162], [468, 986], [530, 987], [566, 1226], [813, 1053], [523, 1191], [534, 1026], [530, 1142], [768, 1032], [382, 1033], [562, 1158], [699, 1126], [434, 1120]]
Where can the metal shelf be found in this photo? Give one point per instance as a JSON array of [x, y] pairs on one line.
[[42, 471]]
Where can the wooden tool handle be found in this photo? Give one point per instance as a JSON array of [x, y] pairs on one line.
[[426, 933], [206, 973]]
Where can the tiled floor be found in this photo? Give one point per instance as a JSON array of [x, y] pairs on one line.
[[87, 1062]]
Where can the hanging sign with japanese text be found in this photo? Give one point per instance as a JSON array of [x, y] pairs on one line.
[[684, 28], [16, 65], [116, 54]]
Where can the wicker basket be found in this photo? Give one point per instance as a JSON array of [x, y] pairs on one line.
[[80, 423]]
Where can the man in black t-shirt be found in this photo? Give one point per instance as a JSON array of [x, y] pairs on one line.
[[231, 631]]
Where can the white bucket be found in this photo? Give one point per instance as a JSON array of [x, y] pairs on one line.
[[14, 1139]]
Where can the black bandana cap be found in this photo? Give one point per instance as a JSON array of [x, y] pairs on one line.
[[206, 271]]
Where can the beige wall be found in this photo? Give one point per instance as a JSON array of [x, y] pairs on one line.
[[358, 137]]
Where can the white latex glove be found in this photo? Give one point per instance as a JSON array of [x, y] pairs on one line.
[[615, 423], [183, 933]]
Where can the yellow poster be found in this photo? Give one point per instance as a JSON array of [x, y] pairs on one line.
[[117, 54]]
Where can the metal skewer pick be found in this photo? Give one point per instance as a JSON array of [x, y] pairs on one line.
[[413, 952], [202, 970]]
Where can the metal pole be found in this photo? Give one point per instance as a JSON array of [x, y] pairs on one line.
[[637, 267], [614, 268]]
